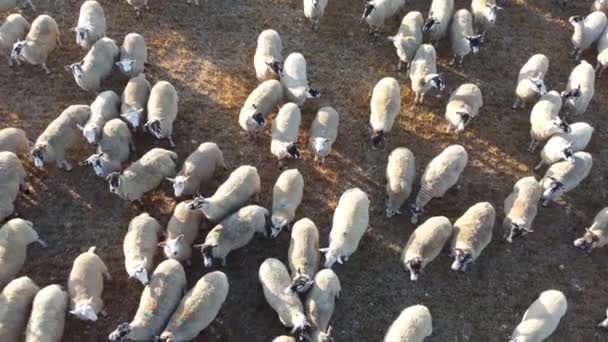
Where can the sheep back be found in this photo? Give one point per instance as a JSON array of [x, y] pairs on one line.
[[442, 10], [303, 254], [321, 299], [325, 126], [350, 221], [521, 205], [243, 183], [542, 317], [135, 97], [14, 28], [461, 27], [184, 222], [427, 241], [409, 37], [91, 17], [424, 63], [473, 230], [263, 99], [413, 324], [385, 104], [268, 50], [162, 106], [47, 319], [400, 176], [141, 242], [200, 166], [134, 48], [15, 306], [275, 279], [14, 140], [146, 173], [286, 197], [15, 236], [441, 173], [12, 178], [285, 128]]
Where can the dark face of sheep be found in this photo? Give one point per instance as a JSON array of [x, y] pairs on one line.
[[95, 161], [517, 230], [303, 332], [207, 252], [587, 242], [258, 118], [39, 154], [312, 93], [539, 85], [462, 258], [576, 19], [113, 180], [276, 66], [562, 126], [17, 48], [369, 8], [377, 138], [301, 283], [553, 188], [75, 68], [81, 34], [416, 213], [465, 117], [415, 268], [292, 150], [568, 154], [121, 332], [125, 65], [437, 83], [474, 42], [198, 202], [429, 23], [572, 94], [154, 128]]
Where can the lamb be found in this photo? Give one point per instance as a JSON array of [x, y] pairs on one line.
[[47, 320], [423, 72], [12, 178], [103, 109], [377, 11], [162, 111], [295, 81], [85, 285], [414, 324], [13, 29], [233, 232], [15, 236], [425, 244], [587, 30], [385, 106], [114, 148], [440, 175], [313, 11], [530, 81], [351, 219], [400, 176], [408, 38], [440, 14], [15, 306], [267, 59], [182, 230], [562, 146], [6, 5], [463, 106], [139, 247], [545, 120], [484, 16], [143, 175], [461, 36], [285, 127], [580, 89], [323, 132], [274, 279], [320, 303], [303, 255], [133, 55], [564, 176], [242, 184], [542, 317], [134, 100], [96, 65], [158, 301], [198, 308], [40, 41], [602, 49], [599, 5], [14, 140], [138, 5], [91, 24], [198, 168], [261, 101], [521, 207], [472, 233], [286, 197], [595, 236]]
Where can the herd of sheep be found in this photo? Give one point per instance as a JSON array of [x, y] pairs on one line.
[[303, 296]]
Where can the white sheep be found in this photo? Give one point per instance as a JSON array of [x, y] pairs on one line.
[[602, 49], [400, 176], [133, 55], [162, 111], [143, 175], [414, 324], [313, 11], [520, 208], [542, 317], [376, 12], [295, 81], [134, 100], [285, 127], [114, 148], [233, 232], [103, 109], [385, 106], [15, 306], [472, 233], [462, 36], [85, 285], [564, 176], [13, 29], [484, 16], [286, 198], [198, 308], [14, 140], [139, 247], [40, 41], [463, 106], [351, 219], [158, 301], [599, 5], [284, 338], [587, 30], [268, 59], [242, 184], [47, 319], [425, 243], [96, 66], [408, 38], [12, 178], [262, 100], [303, 255], [440, 175], [438, 21], [545, 120], [323, 132], [595, 236], [6, 5], [198, 168], [320, 303], [182, 230], [423, 73], [580, 89], [15, 236], [562, 146], [138, 6], [530, 81], [91, 24]]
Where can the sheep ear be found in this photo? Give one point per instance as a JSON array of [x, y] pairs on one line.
[[73, 29], [80, 127], [74, 312], [324, 250], [172, 180], [162, 244], [144, 263]]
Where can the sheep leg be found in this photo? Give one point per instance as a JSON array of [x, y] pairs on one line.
[[11, 64], [449, 128], [103, 312], [602, 70], [545, 203], [540, 164], [532, 145], [67, 165], [315, 25], [224, 262], [516, 103], [46, 69], [137, 13], [132, 146], [29, 3], [171, 141], [453, 60]]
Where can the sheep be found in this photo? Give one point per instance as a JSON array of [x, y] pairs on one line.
[[198, 308], [12, 178], [233, 232], [286, 197], [595, 236], [408, 38], [440, 14], [530, 81], [313, 11], [599, 5], [320, 303], [15, 236], [13, 29], [6, 5], [133, 55], [602, 49], [580, 89], [40, 41], [564, 176], [242, 184], [423, 73], [103, 109], [425, 244], [158, 301], [143, 175], [85, 286], [96, 65], [472, 233], [587, 30], [274, 279], [91, 24], [463, 106], [376, 12], [285, 127], [114, 148], [484, 16], [162, 111], [542, 317], [198, 168], [267, 59], [351, 219], [385, 106], [261, 101], [545, 120], [15, 306], [414, 324], [14, 140], [139, 247], [303, 255], [47, 319], [295, 81], [520, 208], [182, 230], [462, 37], [400, 176], [284, 338], [138, 5], [134, 100], [440, 175], [561, 146], [602, 324], [323, 132]]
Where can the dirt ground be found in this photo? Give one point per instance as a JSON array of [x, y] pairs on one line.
[[207, 53]]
